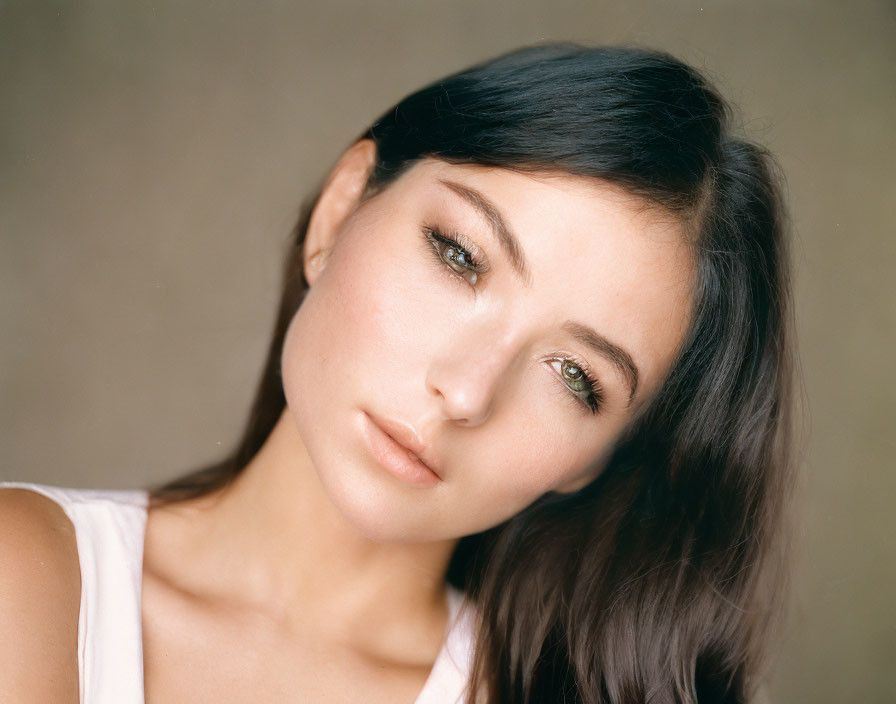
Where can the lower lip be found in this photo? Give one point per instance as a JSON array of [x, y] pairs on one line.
[[394, 458]]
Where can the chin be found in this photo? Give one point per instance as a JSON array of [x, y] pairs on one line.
[[365, 496], [378, 512]]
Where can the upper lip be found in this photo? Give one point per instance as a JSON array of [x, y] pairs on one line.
[[407, 436]]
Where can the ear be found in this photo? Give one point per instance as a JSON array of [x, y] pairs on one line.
[[339, 198]]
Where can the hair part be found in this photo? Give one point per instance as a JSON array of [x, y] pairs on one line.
[[660, 579]]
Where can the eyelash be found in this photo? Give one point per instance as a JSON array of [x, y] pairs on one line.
[[594, 395], [456, 241]]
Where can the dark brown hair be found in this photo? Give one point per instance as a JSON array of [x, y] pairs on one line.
[[658, 581]]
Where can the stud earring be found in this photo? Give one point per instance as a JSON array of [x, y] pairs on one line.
[[317, 261]]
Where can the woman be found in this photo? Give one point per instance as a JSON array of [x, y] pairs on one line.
[[521, 436]]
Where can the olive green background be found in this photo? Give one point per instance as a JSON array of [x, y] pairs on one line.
[[153, 157]]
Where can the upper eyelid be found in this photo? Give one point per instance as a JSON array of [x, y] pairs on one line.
[[586, 367], [441, 237], [465, 241]]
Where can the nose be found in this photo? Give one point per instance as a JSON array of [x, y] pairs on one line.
[[469, 373]]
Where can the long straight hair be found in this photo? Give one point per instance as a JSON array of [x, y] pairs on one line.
[[658, 581]]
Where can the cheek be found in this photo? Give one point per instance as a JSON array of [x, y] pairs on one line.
[[356, 331], [528, 457]]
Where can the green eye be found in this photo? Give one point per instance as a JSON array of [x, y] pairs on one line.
[[455, 257], [581, 383]]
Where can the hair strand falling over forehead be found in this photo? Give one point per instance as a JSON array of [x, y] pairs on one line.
[[659, 581]]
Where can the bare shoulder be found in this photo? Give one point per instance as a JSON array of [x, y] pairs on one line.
[[40, 592]]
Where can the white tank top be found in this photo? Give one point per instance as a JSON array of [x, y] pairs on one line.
[[109, 527]]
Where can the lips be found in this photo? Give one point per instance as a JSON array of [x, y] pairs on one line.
[[408, 439]]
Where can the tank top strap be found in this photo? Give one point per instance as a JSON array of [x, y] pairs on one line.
[[109, 529], [447, 680], [110, 526]]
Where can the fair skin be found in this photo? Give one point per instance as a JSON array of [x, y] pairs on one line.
[[319, 574]]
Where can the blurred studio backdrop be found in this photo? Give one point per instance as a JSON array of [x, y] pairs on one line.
[[153, 157]]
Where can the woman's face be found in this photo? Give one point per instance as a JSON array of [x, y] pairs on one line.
[[487, 370]]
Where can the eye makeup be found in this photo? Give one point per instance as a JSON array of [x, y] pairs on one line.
[[458, 253]]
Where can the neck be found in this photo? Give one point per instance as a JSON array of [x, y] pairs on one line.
[[272, 541]]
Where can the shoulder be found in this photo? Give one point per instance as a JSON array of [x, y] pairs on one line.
[[40, 591]]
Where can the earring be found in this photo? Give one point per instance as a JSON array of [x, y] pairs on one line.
[[317, 261]]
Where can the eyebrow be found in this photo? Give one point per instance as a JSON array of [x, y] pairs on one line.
[[617, 356], [510, 244]]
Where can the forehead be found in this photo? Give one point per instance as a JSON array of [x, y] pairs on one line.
[[595, 253]]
